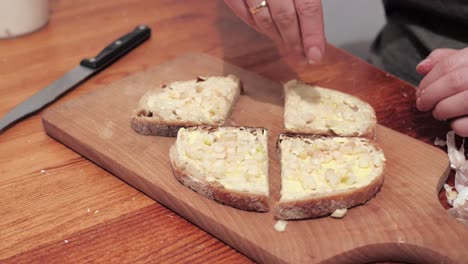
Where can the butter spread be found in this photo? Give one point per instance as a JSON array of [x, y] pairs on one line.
[[322, 110], [236, 158], [319, 165], [204, 102]]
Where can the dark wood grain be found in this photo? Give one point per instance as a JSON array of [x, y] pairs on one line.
[[40, 210], [162, 236]]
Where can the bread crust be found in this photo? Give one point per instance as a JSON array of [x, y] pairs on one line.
[[148, 126], [215, 191], [324, 205], [320, 205], [145, 125], [369, 133]]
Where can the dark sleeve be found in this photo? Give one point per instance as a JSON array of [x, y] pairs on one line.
[[414, 28]]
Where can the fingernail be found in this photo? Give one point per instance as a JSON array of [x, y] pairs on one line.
[[437, 117], [419, 92], [418, 102], [314, 55], [424, 62]]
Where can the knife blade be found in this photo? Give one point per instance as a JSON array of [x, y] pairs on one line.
[[87, 68]]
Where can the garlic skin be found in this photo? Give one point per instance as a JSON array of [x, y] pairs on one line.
[[450, 194], [456, 156], [440, 142], [458, 163], [462, 198]]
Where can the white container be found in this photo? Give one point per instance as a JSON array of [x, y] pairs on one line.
[[19, 17]]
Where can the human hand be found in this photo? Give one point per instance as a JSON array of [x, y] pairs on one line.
[[295, 25], [444, 88]]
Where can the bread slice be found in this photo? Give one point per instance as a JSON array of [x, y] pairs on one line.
[[321, 111], [204, 101], [225, 164], [322, 174]]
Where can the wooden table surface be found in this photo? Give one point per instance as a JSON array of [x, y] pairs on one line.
[[56, 206]]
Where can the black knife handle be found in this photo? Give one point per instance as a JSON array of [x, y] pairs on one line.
[[118, 48]]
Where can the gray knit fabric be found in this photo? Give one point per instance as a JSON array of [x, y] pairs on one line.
[[414, 29]]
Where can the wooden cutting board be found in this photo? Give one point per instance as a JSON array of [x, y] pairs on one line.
[[404, 222]]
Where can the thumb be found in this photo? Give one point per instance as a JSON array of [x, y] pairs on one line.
[[434, 57]]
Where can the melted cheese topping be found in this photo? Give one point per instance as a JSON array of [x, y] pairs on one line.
[[316, 166], [233, 157], [203, 102], [321, 110]]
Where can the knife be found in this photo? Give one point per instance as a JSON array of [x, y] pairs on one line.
[[86, 68]]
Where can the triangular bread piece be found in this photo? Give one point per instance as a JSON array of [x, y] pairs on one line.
[[322, 174], [204, 101], [320, 111], [225, 164]]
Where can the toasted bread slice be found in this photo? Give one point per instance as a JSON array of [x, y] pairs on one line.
[[205, 101], [322, 174], [321, 111], [225, 164]]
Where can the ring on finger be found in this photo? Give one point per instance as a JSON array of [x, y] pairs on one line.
[[254, 10]]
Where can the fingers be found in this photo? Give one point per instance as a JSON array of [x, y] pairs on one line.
[[445, 87], [448, 85], [241, 10], [451, 107], [434, 57], [460, 126], [297, 25], [452, 62], [285, 18], [264, 21], [310, 14]]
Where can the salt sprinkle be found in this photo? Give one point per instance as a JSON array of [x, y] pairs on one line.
[[97, 211], [88, 210], [43, 171], [66, 241]]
